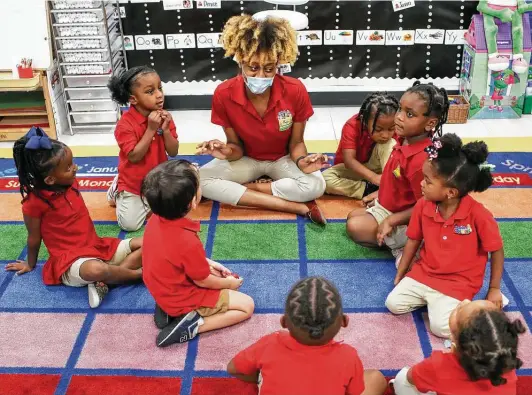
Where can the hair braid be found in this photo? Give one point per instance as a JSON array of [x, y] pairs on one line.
[[437, 103], [374, 105]]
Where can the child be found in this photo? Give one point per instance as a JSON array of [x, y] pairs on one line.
[[306, 360], [364, 149], [145, 134], [422, 112], [483, 359], [457, 234], [54, 212], [192, 293]]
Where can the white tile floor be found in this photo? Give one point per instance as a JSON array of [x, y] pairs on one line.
[[326, 124]]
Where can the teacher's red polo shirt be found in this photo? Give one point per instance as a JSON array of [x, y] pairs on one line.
[[455, 251], [401, 178], [264, 138]]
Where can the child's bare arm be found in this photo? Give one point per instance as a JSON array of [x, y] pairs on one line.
[[138, 153], [171, 144], [388, 225], [251, 378], [358, 168], [33, 225], [497, 266], [215, 282]]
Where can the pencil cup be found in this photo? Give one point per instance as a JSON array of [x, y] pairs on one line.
[[25, 72]]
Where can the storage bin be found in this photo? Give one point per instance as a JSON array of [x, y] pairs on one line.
[[458, 109], [86, 80], [75, 4], [88, 93], [92, 105], [84, 56], [81, 30], [85, 43], [87, 68], [94, 117], [79, 17]]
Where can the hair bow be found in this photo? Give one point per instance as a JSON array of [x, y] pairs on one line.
[[432, 149], [486, 165], [37, 139]]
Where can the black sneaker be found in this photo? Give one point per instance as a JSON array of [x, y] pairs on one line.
[[180, 330], [161, 318], [370, 188]]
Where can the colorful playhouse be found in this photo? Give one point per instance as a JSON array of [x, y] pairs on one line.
[[497, 94]]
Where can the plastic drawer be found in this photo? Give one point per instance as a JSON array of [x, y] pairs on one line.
[[79, 17], [92, 105], [75, 4], [86, 80], [88, 93], [94, 117], [87, 68], [80, 30], [82, 43]]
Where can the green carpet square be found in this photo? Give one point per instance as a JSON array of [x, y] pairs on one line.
[[517, 237], [332, 243], [202, 234], [255, 241], [14, 238]]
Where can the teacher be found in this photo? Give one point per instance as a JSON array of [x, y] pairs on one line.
[[263, 115]]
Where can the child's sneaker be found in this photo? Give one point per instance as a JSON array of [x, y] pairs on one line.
[[97, 292], [181, 330], [111, 192], [161, 318]]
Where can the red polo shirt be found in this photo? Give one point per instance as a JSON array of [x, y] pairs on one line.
[[455, 251], [401, 178], [443, 374], [67, 231], [129, 130], [264, 138], [353, 137], [289, 367], [172, 259]]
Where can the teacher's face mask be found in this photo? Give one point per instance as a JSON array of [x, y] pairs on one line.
[[258, 85]]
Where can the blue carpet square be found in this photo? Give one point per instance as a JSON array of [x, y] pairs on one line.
[[28, 291], [267, 283], [361, 284], [504, 288], [128, 297], [521, 275]]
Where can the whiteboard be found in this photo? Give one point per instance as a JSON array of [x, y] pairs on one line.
[[24, 33]]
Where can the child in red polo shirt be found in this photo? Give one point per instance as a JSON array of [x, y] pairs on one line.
[[457, 233], [54, 212], [305, 360], [192, 293], [422, 112], [145, 134], [483, 358], [364, 149]]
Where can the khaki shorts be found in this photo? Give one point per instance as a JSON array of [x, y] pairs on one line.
[[72, 277], [221, 306], [397, 238]]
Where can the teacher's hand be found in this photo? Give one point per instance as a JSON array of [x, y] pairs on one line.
[[215, 148], [313, 163]]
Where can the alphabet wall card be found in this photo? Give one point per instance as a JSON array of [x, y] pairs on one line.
[[400, 37], [177, 4], [309, 37], [209, 40], [338, 37], [371, 37], [429, 36], [177, 41], [399, 5], [149, 41], [208, 4], [455, 37]]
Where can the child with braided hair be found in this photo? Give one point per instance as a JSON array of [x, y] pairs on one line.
[[457, 233], [55, 213], [422, 112], [483, 358], [364, 149], [306, 360]]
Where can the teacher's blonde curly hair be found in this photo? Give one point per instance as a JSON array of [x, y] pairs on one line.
[[274, 38]]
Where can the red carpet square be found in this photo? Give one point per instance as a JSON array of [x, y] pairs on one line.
[[28, 384], [123, 385], [222, 386]]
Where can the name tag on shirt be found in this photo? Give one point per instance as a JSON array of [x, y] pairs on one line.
[[463, 229]]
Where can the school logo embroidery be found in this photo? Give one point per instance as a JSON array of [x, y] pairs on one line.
[[463, 229], [397, 172], [285, 120]]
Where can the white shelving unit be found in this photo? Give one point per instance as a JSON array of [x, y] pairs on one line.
[[88, 42]]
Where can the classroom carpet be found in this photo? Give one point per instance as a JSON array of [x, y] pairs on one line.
[[52, 343]]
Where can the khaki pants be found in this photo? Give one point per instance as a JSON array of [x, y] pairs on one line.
[[130, 211], [222, 180], [344, 182], [401, 385], [410, 295], [397, 239]]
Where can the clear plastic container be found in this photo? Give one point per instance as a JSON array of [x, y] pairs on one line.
[[75, 4], [88, 93], [87, 69], [79, 17], [81, 30], [92, 105], [84, 56]]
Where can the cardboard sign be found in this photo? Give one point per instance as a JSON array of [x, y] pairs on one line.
[[179, 41], [400, 37], [309, 37], [149, 41], [209, 40], [371, 37], [338, 37]]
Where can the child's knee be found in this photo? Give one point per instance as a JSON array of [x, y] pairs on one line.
[[248, 305], [440, 327], [393, 305], [374, 380], [94, 270], [130, 223]]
